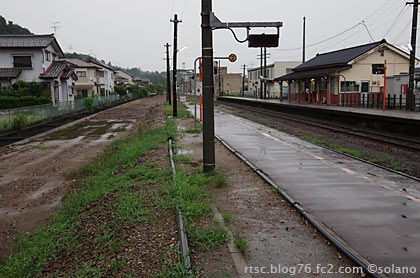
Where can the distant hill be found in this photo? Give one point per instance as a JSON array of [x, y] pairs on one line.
[[158, 78], [9, 28]]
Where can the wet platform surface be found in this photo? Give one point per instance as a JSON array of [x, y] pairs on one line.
[[368, 111], [375, 211]]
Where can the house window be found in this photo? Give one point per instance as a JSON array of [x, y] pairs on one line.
[[349, 86], [101, 74], [378, 69], [22, 61], [47, 56], [83, 93], [365, 87], [81, 73]]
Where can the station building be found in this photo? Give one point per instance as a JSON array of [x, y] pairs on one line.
[[355, 71]]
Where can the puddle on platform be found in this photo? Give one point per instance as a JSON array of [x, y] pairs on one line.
[[184, 152]]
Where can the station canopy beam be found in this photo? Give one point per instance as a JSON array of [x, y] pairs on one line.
[[254, 40]]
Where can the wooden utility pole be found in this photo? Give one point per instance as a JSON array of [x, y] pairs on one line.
[[175, 21], [411, 86], [209, 157], [168, 75], [304, 39], [261, 74]]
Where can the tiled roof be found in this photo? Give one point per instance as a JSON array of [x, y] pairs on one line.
[[80, 63], [338, 57], [58, 69], [312, 73], [26, 40], [9, 72], [101, 65]]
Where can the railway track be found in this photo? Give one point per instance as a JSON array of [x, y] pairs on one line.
[[397, 141], [13, 136]]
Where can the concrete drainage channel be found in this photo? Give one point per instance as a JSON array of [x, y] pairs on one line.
[[332, 237], [181, 229], [13, 136]]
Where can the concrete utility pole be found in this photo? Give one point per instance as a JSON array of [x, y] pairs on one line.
[[411, 86], [209, 157], [175, 21], [220, 78], [168, 75], [304, 39], [243, 80], [265, 72]]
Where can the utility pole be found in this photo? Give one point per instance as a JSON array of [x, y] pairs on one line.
[[411, 86], [209, 157], [261, 74], [265, 72], [220, 78], [304, 39], [243, 80], [168, 75], [175, 49]]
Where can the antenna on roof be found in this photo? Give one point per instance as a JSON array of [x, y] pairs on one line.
[[55, 26]]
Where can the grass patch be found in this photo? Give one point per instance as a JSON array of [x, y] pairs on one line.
[[219, 180], [208, 237], [227, 218], [181, 111], [173, 266], [312, 139], [192, 130], [182, 158], [111, 181], [241, 243], [42, 148]]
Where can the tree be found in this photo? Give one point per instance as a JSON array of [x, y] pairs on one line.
[[9, 28]]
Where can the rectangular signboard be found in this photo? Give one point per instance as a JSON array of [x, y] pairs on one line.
[[263, 40]]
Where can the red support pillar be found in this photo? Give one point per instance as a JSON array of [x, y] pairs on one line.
[[281, 90], [328, 91], [289, 96]]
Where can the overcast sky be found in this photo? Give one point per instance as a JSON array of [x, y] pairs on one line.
[[132, 33]]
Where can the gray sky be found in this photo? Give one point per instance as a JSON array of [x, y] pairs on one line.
[[132, 33]]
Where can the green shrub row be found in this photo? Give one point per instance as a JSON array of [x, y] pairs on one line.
[[17, 102]]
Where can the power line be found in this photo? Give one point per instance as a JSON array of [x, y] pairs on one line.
[[320, 42], [396, 20], [401, 33], [347, 30], [183, 10]]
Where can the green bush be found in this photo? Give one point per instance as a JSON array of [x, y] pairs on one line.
[[89, 104], [137, 91], [20, 121], [17, 102], [6, 91], [30, 89]]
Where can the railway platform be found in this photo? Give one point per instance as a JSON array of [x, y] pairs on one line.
[[398, 121], [374, 211]]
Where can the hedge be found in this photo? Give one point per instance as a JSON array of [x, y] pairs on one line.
[[17, 102]]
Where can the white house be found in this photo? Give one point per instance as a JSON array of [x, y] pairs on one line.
[[36, 58], [106, 76], [123, 78], [273, 71]]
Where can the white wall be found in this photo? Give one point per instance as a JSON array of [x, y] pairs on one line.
[[39, 64]]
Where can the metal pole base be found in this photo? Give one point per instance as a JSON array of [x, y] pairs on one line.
[[208, 168]]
